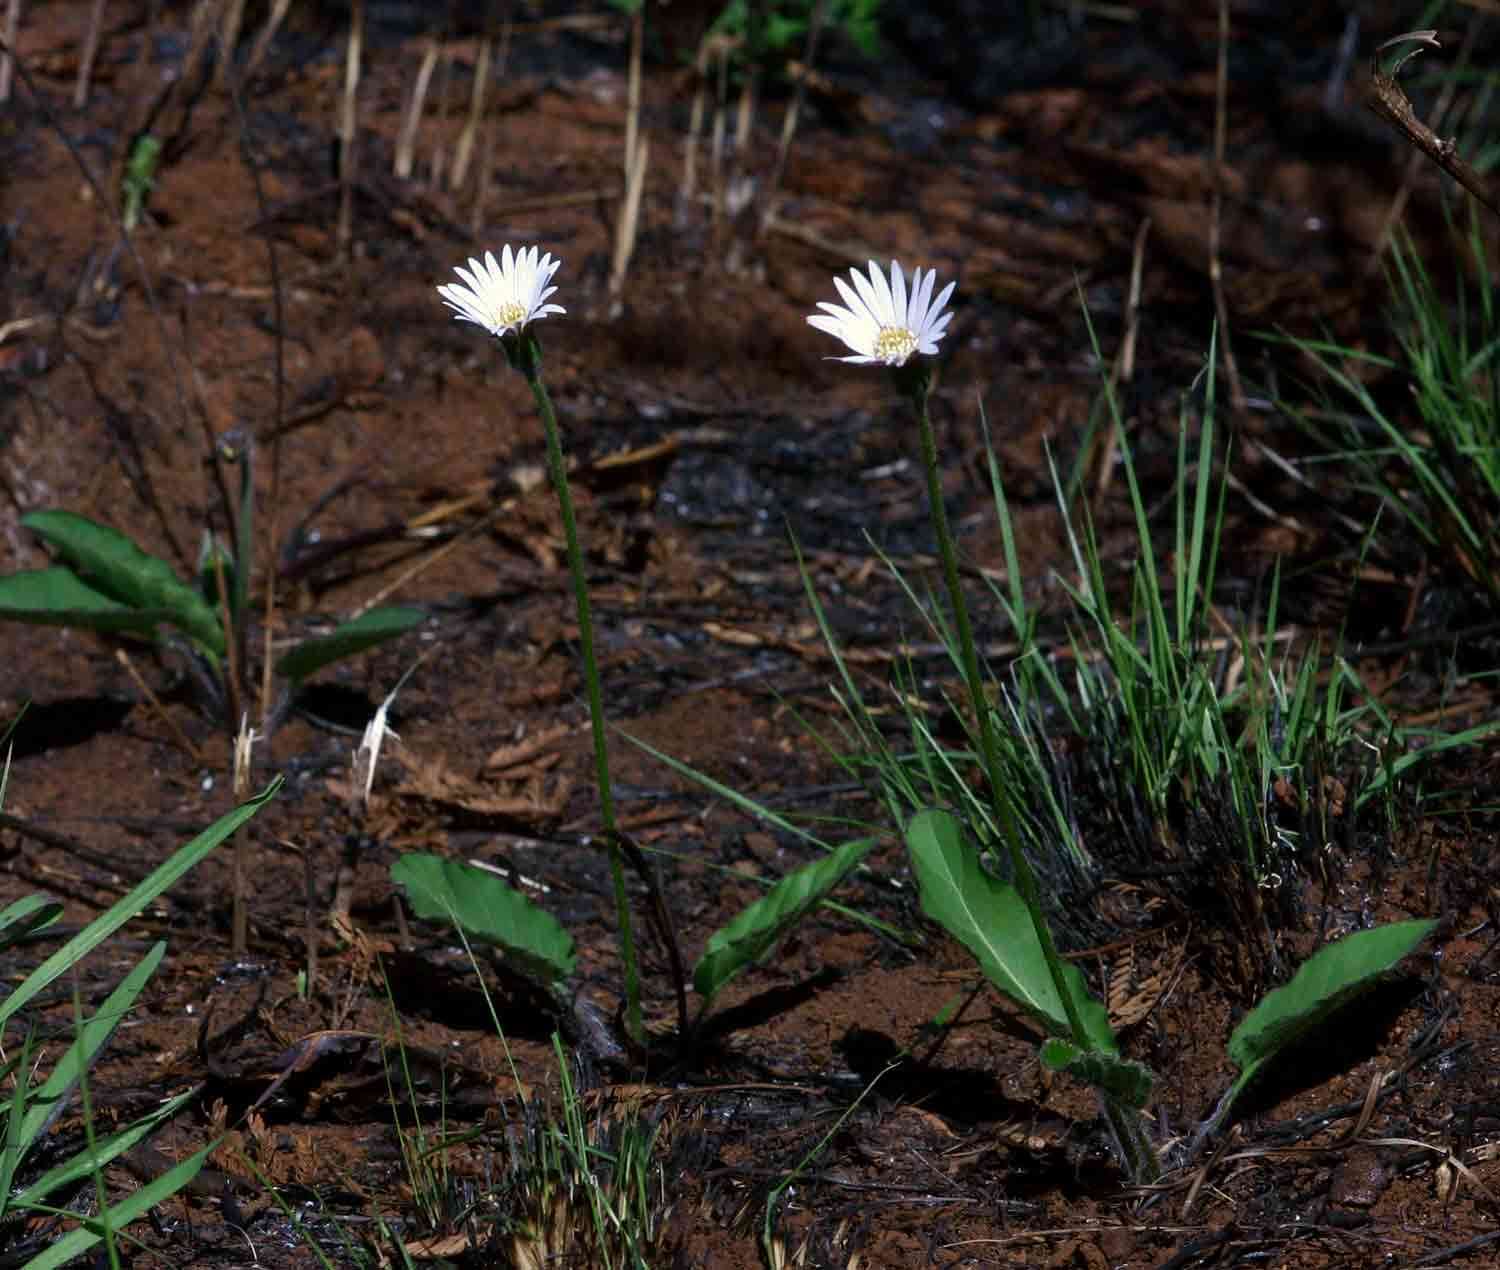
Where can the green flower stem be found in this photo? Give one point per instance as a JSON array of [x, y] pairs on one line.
[[525, 353], [915, 381]]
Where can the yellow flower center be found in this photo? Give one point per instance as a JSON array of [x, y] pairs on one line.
[[894, 344], [511, 314]]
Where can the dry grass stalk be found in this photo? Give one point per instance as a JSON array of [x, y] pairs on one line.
[[628, 226], [178, 735], [12, 27], [794, 112], [633, 87], [688, 186], [230, 21], [87, 57], [348, 122], [263, 40], [464, 151], [716, 150], [244, 744], [406, 140], [485, 180], [444, 94], [1215, 269], [1123, 371]]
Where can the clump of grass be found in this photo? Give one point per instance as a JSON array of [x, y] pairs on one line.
[[1157, 731], [582, 1191], [1433, 457]]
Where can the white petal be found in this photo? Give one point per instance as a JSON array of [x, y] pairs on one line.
[[921, 295], [869, 295], [858, 307], [898, 292]]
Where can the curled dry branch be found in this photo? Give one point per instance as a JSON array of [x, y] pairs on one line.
[[1383, 95]]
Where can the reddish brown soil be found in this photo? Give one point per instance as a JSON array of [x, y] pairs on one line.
[[962, 1154]]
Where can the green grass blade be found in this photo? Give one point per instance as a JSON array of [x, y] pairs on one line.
[[131, 1208], [33, 913], [108, 560], [989, 918], [104, 1151], [488, 910], [11, 1146], [1331, 977], [757, 929], [364, 632], [107, 923], [51, 1096]]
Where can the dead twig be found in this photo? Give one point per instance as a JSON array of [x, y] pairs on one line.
[[1384, 97], [1414, 159], [178, 735]]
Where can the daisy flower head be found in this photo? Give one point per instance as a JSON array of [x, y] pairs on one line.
[[881, 321], [503, 296]]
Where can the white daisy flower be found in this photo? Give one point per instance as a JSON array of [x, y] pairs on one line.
[[882, 323], [503, 297]]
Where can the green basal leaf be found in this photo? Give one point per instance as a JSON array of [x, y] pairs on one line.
[[1121, 1078], [107, 560], [58, 597], [1330, 978], [757, 929], [486, 909], [989, 918], [365, 631]]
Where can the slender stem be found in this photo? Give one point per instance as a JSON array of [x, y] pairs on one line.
[[528, 359], [1134, 1145], [916, 382]]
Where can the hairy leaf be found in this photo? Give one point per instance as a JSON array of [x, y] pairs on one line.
[[757, 928], [365, 631], [1121, 1078], [990, 919], [486, 909], [107, 560], [1330, 978]]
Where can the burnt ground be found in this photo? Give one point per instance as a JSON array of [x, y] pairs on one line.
[[399, 460]]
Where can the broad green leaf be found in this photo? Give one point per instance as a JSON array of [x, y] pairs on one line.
[[1121, 1078], [46, 1104], [365, 631], [32, 913], [106, 559], [145, 892], [989, 918], [58, 597], [485, 908], [1330, 978], [131, 1208], [757, 928]]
